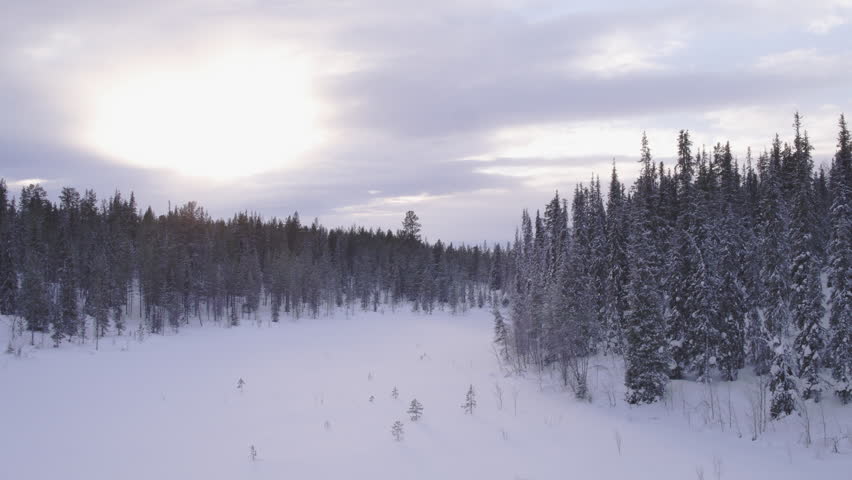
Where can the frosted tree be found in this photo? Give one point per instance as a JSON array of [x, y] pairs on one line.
[[774, 251], [728, 254], [501, 334], [782, 383], [806, 292], [187, 265], [693, 275], [415, 410], [617, 265], [252, 453], [646, 350], [240, 384], [8, 275], [394, 393], [397, 431], [840, 266], [469, 401]]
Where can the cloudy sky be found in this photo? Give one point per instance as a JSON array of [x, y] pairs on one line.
[[465, 111]]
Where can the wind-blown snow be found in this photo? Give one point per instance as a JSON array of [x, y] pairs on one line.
[[169, 407]]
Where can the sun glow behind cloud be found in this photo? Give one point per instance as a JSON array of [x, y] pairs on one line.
[[229, 114]]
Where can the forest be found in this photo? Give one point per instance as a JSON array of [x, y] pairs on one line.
[[695, 271], [64, 264]]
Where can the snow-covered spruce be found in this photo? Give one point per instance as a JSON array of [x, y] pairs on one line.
[[397, 431], [415, 410]]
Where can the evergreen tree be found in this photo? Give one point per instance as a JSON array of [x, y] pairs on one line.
[[397, 431], [501, 334], [774, 252], [415, 410], [469, 401], [97, 301], [732, 279], [806, 290], [646, 354], [411, 226], [35, 303], [8, 269], [617, 267], [685, 331], [782, 383], [840, 267]]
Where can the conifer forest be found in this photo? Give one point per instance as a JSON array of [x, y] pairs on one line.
[[695, 270]]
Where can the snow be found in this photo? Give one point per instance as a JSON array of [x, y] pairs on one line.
[[169, 407]]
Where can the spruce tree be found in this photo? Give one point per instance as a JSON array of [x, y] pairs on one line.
[[731, 262], [415, 410], [806, 290], [775, 292], [8, 270], [646, 350], [469, 401], [617, 267], [684, 329], [501, 333], [840, 267], [397, 431], [35, 302], [411, 226]]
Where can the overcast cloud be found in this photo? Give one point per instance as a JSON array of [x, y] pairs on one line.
[[465, 111]]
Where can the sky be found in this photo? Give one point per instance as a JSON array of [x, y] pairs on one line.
[[465, 111]]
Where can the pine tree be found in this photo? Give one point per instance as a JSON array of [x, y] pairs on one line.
[[97, 301], [415, 410], [840, 267], [501, 334], [68, 318], [496, 276], [410, 226], [469, 401], [394, 393], [35, 304], [806, 290], [684, 329], [8, 275], [782, 383], [397, 431], [646, 354], [732, 280], [616, 265], [774, 253]]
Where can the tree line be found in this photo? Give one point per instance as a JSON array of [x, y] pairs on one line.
[[695, 271], [76, 269]]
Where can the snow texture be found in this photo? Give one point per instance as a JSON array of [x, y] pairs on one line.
[[169, 408]]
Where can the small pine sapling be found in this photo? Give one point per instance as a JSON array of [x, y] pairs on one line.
[[240, 384], [372, 398], [252, 453], [469, 401], [415, 410], [397, 431], [394, 393]]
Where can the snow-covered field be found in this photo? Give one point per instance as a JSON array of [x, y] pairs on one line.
[[169, 407]]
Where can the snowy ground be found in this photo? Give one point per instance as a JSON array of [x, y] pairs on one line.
[[168, 408]]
